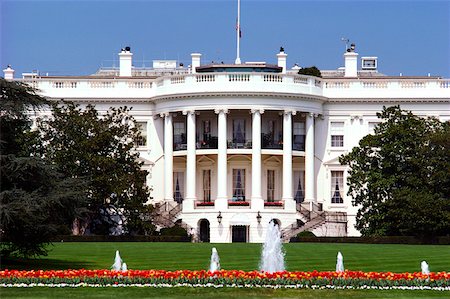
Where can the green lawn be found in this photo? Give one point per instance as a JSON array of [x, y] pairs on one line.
[[173, 256], [243, 256]]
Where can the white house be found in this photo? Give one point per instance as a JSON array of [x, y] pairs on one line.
[[230, 147]]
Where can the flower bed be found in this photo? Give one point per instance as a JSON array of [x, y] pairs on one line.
[[238, 203], [205, 204], [273, 203], [226, 278]]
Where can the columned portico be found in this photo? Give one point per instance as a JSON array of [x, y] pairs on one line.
[[188, 203], [168, 156], [222, 198], [287, 156], [257, 202], [309, 158]]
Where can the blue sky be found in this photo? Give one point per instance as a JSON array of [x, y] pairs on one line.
[[77, 37]]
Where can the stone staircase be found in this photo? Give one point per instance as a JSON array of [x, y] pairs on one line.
[[165, 214], [314, 216]]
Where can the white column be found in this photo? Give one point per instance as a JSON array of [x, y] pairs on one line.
[[287, 156], [257, 202], [222, 198], [168, 157], [309, 158], [188, 203]]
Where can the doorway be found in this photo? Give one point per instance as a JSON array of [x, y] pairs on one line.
[[204, 230], [239, 233]]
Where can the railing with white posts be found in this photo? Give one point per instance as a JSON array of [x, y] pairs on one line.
[[333, 88]]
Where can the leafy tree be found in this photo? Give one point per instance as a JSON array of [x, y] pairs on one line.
[[36, 200], [400, 176], [101, 150], [310, 71]]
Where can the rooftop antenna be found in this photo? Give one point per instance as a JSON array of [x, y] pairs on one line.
[[346, 41], [238, 32]]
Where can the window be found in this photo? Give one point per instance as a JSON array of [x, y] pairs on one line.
[[178, 186], [337, 134], [299, 183], [337, 186], [206, 185], [239, 131], [239, 184], [206, 130], [298, 131], [179, 135], [270, 185], [142, 126]]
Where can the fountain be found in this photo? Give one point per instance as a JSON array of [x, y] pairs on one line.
[[215, 261], [340, 263], [272, 256], [117, 262], [424, 267], [124, 267]]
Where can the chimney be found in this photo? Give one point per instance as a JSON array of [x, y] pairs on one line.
[[282, 60], [351, 62], [126, 62], [195, 61], [8, 73]]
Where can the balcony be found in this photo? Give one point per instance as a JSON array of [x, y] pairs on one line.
[[240, 144], [208, 143], [268, 141]]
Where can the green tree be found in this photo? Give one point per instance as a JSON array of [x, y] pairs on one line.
[[100, 149], [400, 176], [310, 71], [36, 200]]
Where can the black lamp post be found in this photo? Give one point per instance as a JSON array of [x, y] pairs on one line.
[[258, 218]]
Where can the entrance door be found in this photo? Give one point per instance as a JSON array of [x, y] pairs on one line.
[[204, 230], [239, 233]]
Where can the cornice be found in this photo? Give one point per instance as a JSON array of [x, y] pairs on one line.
[[388, 100], [297, 96]]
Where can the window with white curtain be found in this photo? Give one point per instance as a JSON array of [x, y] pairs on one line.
[[298, 184], [337, 187], [239, 131], [178, 186], [337, 134], [239, 184], [207, 185], [270, 185]]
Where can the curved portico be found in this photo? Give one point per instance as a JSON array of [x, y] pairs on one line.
[[254, 155]]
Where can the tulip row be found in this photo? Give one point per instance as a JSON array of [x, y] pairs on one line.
[[226, 278]]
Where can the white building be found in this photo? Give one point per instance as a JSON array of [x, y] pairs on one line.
[[230, 147]]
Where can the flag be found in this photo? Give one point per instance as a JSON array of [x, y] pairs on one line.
[[238, 28]]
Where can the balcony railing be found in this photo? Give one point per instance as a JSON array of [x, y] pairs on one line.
[[268, 141], [210, 143], [247, 143]]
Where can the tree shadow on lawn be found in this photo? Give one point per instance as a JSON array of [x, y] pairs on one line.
[[41, 264]]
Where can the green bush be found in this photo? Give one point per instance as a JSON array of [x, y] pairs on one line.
[[306, 233], [174, 231]]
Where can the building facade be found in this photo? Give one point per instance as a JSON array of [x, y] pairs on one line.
[[231, 147]]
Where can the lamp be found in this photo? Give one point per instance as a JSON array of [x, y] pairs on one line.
[[258, 218], [219, 218]]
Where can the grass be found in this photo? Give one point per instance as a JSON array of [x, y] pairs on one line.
[[243, 256]]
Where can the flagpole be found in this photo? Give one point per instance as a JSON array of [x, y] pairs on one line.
[[238, 33]]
